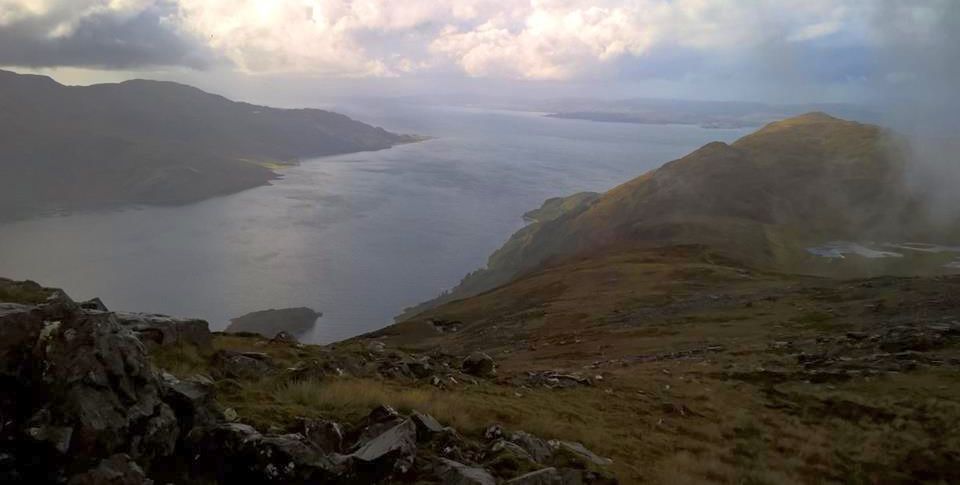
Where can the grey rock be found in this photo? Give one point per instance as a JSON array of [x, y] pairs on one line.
[[454, 473], [325, 435], [512, 448], [93, 304], [581, 451], [230, 415], [237, 453], [539, 449], [56, 436], [494, 431], [237, 365], [191, 400], [427, 426], [392, 452], [562, 476], [118, 469], [20, 329], [284, 338], [419, 368], [545, 476], [97, 380]]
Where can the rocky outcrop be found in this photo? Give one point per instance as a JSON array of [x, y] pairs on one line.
[[269, 323], [77, 388], [82, 404], [161, 330]]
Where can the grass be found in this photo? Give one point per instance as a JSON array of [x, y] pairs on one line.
[[181, 360], [24, 292], [679, 419]]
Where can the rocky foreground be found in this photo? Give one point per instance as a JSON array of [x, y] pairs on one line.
[[85, 399]]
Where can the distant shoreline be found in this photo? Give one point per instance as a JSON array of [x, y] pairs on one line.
[[640, 119]]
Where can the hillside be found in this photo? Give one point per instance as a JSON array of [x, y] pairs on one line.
[[762, 200], [77, 147]]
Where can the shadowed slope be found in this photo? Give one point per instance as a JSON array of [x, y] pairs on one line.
[[77, 147]]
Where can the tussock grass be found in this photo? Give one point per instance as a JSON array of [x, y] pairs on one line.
[[181, 360], [550, 414]]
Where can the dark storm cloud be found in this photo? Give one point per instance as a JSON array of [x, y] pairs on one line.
[[104, 40]]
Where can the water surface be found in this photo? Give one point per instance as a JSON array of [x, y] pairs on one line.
[[357, 236]]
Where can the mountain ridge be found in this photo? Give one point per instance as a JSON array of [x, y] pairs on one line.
[[760, 200]]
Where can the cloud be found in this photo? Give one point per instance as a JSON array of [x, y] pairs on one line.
[[91, 33], [515, 39]]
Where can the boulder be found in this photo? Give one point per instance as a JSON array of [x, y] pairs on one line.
[[162, 330], [539, 449], [419, 368], [380, 419], [562, 476], [268, 323], [97, 380], [581, 452], [283, 338], [454, 473], [239, 365], [237, 453], [191, 400], [325, 435], [545, 476], [427, 426], [20, 328], [93, 304], [479, 364]]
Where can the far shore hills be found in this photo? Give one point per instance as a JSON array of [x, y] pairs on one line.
[[69, 148]]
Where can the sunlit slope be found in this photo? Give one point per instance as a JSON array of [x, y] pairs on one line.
[[760, 200]]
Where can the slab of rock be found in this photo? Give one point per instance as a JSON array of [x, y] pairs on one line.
[[240, 365], [427, 425], [545, 476], [191, 400], [581, 451], [325, 435], [118, 469], [562, 476], [454, 473], [93, 304], [390, 453], [539, 449], [237, 453], [162, 330], [268, 323]]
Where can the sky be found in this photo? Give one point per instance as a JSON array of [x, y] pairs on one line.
[[765, 50]]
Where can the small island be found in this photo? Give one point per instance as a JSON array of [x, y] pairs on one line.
[[294, 321]]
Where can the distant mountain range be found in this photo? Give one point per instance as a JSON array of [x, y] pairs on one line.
[[148, 142], [656, 111], [707, 114]]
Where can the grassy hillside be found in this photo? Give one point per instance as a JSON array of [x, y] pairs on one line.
[[705, 371], [75, 147]]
